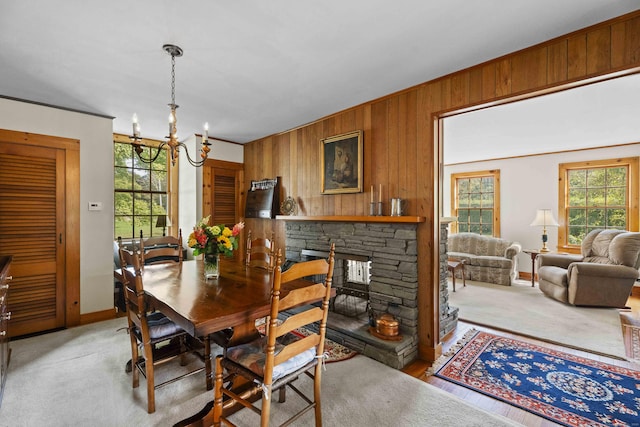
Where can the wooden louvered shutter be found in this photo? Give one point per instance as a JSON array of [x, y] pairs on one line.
[[222, 182], [32, 203], [224, 196]]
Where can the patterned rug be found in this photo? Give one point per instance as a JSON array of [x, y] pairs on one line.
[[567, 389]]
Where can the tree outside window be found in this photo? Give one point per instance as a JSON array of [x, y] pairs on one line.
[[141, 192], [476, 202], [597, 195]]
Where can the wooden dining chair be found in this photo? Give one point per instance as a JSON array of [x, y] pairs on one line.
[[155, 339], [164, 249], [260, 252], [270, 365]]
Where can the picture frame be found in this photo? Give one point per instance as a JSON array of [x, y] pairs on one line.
[[341, 163]]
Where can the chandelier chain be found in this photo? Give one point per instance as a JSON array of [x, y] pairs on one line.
[[173, 80]]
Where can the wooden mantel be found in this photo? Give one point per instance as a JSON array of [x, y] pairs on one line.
[[350, 218]]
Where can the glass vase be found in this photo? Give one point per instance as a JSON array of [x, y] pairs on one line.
[[211, 266]]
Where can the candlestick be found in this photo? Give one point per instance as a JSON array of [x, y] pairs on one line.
[[379, 208], [372, 209]]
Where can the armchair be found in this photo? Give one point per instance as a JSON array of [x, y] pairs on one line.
[[602, 276]]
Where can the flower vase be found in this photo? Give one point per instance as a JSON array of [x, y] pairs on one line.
[[211, 266]]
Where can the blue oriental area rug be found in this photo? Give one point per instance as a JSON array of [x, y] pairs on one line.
[[567, 389]]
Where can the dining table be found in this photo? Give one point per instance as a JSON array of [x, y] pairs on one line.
[[235, 299]]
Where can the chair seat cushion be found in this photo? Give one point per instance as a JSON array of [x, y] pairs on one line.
[[160, 326], [253, 355]]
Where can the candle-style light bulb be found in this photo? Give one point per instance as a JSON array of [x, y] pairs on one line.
[[205, 136], [136, 128]]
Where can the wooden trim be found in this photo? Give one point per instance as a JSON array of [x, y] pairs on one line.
[[71, 239], [223, 164], [97, 316], [347, 218], [632, 196]]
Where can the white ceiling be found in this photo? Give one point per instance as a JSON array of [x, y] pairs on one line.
[[252, 68], [595, 115]]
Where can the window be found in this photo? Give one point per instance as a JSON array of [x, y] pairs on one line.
[[141, 191], [597, 194], [476, 202]]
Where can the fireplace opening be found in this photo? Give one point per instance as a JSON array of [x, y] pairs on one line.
[[351, 278]]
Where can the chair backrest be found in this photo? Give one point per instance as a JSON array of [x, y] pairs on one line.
[[165, 249], [131, 264], [310, 313], [619, 247], [260, 252]]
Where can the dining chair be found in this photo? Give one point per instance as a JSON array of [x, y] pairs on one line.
[[155, 339], [162, 249], [260, 252], [270, 365]]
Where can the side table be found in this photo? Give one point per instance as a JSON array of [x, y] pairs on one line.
[[452, 266], [533, 253]]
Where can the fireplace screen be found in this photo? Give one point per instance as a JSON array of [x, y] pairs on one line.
[[351, 278]]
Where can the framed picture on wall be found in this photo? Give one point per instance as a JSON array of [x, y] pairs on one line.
[[341, 163]]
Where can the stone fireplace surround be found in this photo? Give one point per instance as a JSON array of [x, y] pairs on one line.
[[390, 244]]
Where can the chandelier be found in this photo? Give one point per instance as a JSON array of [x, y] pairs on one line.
[[172, 143]]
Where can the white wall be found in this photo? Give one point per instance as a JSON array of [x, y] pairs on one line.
[[190, 180], [595, 115], [602, 114], [527, 184], [96, 185]]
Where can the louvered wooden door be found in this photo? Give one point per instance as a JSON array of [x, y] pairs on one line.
[[221, 195], [224, 197], [32, 229]]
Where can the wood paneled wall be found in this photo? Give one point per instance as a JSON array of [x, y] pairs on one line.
[[401, 137]]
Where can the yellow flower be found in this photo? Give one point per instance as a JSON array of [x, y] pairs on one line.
[[215, 230], [225, 242], [227, 232]]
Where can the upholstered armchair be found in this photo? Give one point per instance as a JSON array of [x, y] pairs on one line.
[[602, 276]]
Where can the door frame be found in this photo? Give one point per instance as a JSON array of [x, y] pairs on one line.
[[71, 237]]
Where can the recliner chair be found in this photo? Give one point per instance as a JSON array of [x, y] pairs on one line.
[[603, 276]]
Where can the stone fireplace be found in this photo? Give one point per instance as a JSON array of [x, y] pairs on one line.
[[389, 246]]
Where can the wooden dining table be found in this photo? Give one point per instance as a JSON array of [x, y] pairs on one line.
[[238, 297]]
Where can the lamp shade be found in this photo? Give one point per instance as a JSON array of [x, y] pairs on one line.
[[544, 218]]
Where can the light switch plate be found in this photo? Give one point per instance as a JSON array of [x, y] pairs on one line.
[[95, 206]]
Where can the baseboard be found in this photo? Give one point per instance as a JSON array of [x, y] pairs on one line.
[[97, 316], [523, 275]]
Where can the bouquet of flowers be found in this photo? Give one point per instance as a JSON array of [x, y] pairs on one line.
[[214, 239]]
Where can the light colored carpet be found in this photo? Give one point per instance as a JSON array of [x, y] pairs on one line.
[[526, 310], [76, 377]]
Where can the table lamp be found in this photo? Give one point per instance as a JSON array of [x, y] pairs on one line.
[[544, 218]]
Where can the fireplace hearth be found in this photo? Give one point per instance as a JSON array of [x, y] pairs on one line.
[[389, 250]]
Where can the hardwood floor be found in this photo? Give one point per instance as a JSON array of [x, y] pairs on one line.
[[417, 369]]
